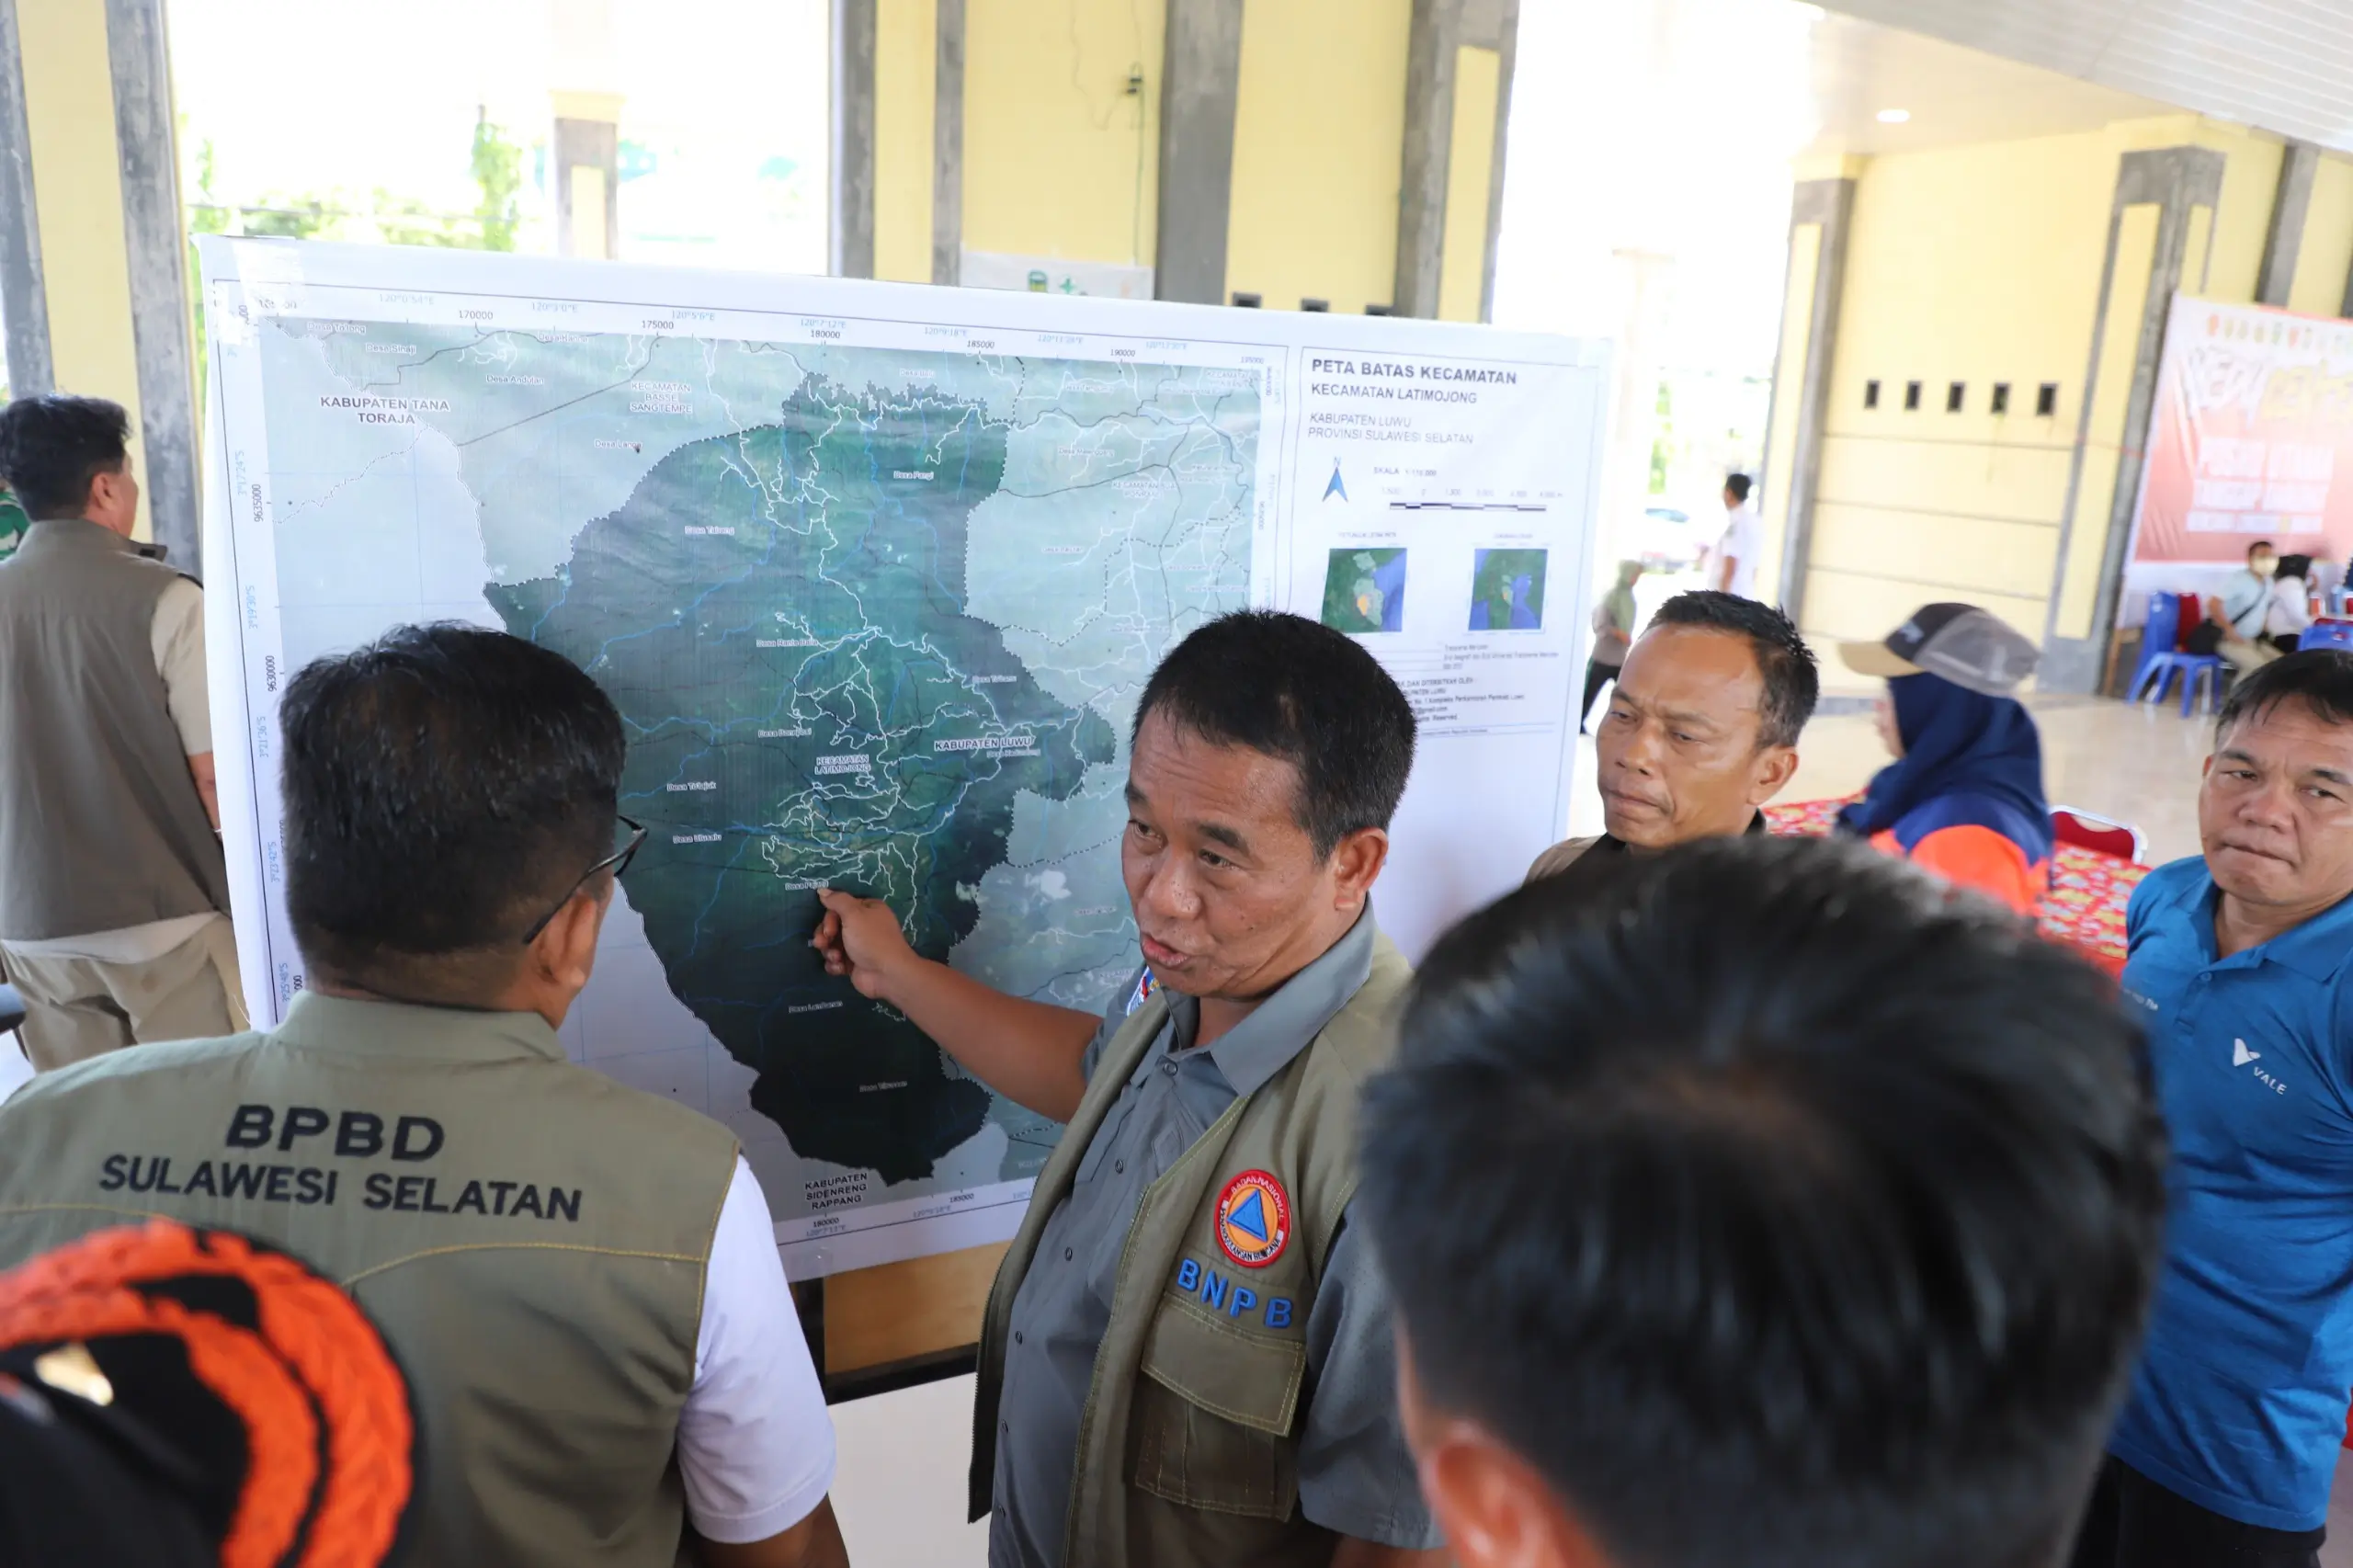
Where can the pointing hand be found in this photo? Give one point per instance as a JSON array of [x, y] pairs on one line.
[[860, 938]]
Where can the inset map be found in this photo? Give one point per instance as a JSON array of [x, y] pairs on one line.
[[1507, 590], [1364, 591]]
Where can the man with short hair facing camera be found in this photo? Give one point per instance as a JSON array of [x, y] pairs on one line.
[[580, 1279], [1702, 730], [1186, 1358], [1755, 1206], [2240, 960]]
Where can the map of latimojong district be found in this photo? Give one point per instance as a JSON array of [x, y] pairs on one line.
[[809, 706], [874, 620]]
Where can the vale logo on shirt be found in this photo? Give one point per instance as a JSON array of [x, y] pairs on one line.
[[2242, 1057]]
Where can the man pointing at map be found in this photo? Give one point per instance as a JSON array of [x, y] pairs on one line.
[[1188, 1354]]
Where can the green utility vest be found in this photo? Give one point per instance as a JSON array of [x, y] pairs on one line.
[[1188, 1446], [529, 1235]]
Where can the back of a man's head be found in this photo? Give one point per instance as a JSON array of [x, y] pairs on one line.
[[50, 448], [1297, 689], [445, 788], [1772, 1211]]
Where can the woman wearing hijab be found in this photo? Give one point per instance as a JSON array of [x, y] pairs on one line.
[[1613, 633], [1963, 798]]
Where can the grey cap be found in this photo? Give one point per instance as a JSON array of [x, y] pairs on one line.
[[1970, 647]]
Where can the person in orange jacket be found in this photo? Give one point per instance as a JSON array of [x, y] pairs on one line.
[[1963, 798]]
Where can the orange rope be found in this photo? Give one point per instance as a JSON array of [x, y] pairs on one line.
[[320, 1332], [281, 1432]]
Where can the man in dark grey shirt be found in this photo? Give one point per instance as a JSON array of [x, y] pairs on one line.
[[1268, 756]]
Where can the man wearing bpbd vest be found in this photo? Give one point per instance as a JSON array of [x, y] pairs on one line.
[[581, 1280], [113, 895], [1187, 1358]]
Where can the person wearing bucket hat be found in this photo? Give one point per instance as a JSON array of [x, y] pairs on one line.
[[172, 1396], [1963, 798]]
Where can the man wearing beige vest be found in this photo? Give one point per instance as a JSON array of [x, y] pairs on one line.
[[1187, 1360], [580, 1280], [113, 896], [1702, 730]]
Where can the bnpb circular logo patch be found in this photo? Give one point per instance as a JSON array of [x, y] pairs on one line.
[[1252, 1218]]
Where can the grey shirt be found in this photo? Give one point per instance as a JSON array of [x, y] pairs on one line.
[[1356, 1475]]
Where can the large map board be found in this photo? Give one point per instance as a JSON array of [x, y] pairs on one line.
[[875, 574]]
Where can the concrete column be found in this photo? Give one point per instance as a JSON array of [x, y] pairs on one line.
[[1441, 29], [1507, 33], [156, 241], [587, 175], [851, 231], [1821, 214], [2148, 243], [24, 302], [947, 145], [2284, 238], [1421, 191], [587, 142], [92, 274], [1649, 278], [1199, 88]]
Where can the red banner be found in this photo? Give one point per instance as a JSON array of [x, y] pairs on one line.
[[2252, 436]]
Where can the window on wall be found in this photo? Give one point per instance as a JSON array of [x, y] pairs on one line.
[[2001, 403], [1871, 394], [2046, 400], [1955, 396], [1911, 397]]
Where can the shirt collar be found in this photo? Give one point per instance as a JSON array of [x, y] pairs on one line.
[[1278, 1029], [400, 1029], [2317, 949], [75, 530], [1610, 844]]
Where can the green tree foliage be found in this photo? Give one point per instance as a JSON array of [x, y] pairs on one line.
[[498, 175], [495, 160]]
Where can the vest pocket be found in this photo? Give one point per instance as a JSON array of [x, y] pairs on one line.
[[1211, 1422]]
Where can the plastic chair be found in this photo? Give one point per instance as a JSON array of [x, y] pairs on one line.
[[2327, 634], [2162, 659], [2102, 836]]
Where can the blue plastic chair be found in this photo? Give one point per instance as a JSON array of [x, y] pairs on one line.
[[2161, 661], [2327, 634]]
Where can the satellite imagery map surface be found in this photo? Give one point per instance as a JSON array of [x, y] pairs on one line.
[[874, 618]]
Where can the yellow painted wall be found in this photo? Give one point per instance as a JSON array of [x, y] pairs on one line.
[[905, 58], [1470, 168], [1981, 265], [2250, 181], [1058, 159], [1978, 264], [77, 191], [2198, 252], [2327, 255], [1317, 152]]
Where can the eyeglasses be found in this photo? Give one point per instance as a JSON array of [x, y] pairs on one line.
[[617, 862]]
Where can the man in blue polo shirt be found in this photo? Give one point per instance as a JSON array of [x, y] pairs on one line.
[[2243, 960]]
